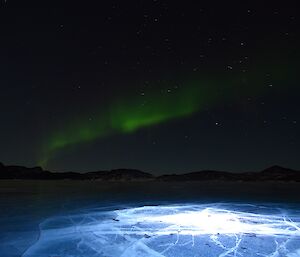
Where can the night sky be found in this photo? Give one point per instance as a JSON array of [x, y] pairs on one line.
[[161, 86]]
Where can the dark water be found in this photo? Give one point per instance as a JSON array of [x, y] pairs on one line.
[[28, 205]]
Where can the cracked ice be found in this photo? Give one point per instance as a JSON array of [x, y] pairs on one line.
[[172, 230]]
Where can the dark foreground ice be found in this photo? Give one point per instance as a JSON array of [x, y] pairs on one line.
[[70, 223]]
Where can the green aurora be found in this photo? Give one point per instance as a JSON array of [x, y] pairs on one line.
[[126, 116], [133, 112]]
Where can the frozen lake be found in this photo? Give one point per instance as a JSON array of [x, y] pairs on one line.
[[90, 218]]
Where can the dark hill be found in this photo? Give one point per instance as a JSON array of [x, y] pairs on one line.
[[198, 176], [20, 172], [119, 174]]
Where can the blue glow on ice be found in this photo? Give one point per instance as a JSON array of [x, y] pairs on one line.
[[171, 231]]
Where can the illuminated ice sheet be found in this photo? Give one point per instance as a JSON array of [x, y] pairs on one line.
[[172, 230]]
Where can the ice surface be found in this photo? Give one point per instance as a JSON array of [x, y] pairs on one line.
[[172, 230], [92, 218]]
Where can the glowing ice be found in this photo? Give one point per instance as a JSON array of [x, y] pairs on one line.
[[174, 230]]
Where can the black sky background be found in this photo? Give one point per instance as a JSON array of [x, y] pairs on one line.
[[62, 59]]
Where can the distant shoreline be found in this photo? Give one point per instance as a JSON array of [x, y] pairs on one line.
[[274, 173]]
